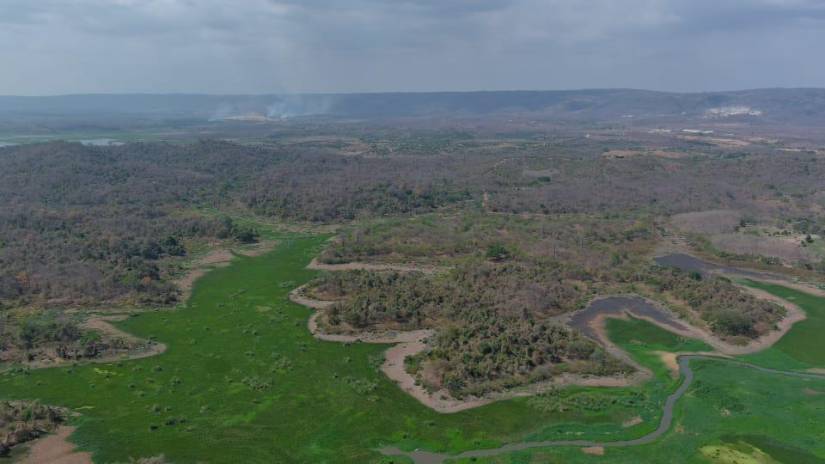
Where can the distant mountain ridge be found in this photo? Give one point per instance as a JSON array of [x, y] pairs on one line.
[[605, 104]]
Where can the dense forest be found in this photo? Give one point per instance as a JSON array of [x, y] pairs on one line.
[[530, 227]]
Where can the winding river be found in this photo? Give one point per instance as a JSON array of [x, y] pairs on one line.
[[423, 457], [616, 307]]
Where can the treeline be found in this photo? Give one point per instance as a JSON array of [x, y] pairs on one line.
[[86, 225], [729, 312], [324, 188]]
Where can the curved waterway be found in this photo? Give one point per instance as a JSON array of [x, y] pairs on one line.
[[423, 457], [690, 263], [617, 306]]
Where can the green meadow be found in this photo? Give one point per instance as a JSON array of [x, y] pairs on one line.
[[731, 414], [803, 347], [243, 377]]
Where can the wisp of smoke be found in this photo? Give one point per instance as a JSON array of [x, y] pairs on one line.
[[290, 106]]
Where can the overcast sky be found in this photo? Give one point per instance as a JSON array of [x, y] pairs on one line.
[[274, 46]]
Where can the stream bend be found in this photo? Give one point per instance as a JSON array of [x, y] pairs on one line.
[[687, 375]]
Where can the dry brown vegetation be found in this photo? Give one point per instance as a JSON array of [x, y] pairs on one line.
[[708, 222], [529, 226], [81, 225], [496, 308], [24, 421]]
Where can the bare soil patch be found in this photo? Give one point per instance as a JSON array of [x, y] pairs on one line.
[[356, 266], [788, 250], [621, 154], [594, 450], [632, 422], [299, 296], [708, 222], [670, 360], [56, 449]]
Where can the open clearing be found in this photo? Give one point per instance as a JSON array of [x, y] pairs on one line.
[[237, 380]]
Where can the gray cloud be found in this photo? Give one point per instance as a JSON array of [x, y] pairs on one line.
[[262, 46]]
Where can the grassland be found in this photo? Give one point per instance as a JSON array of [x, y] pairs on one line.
[[243, 377], [801, 348], [729, 415]]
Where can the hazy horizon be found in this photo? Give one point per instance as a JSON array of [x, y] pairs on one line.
[[583, 89], [255, 47]]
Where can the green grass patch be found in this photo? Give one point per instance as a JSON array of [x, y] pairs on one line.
[[240, 382], [802, 346], [730, 413]]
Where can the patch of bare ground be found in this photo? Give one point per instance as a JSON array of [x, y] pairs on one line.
[[594, 450], [56, 449], [621, 154], [788, 249], [671, 361], [812, 392], [356, 266], [707, 222], [718, 141], [299, 296], [632, 422]]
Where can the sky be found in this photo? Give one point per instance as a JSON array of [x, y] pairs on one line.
[[50, 47]]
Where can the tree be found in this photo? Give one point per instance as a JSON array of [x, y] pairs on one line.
[[497, 252]]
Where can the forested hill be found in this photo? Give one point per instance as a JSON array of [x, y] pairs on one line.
[[775, 105], [82, 224]]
